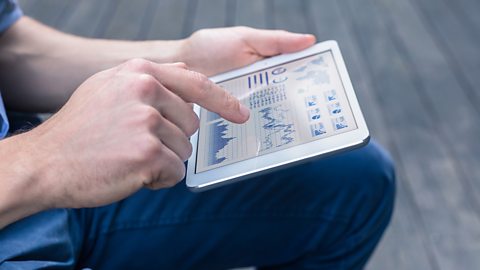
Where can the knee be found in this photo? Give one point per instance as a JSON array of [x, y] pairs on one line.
[[371, 182], [362, 180]]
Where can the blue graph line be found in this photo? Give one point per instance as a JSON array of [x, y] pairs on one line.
[[275, 125], [217, 140]]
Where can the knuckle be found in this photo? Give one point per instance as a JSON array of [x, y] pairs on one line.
[[148, 149], [145, 85], [137, 64], [151, 117], [152, 148], [193, 126]]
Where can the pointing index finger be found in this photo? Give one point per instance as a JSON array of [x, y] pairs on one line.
[[195, 87]]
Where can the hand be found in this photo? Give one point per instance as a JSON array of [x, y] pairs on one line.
[[123, 129], [212, 51]]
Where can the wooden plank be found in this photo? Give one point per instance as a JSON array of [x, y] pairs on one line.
[[432, 175], [27, 6], [251, 13], [457, 43], [449, 106], [287, 15], [86, 18], [127, 21], [169, 20], [106, 17], [49, 12], [403, 244], [209, 13], [467, 11], [231, 11], [147, 20]]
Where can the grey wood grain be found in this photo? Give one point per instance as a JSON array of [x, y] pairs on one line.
[[128, 19], [26, 5], [431, 173], [443, 97], [403, 246], [169, 20], [458, 43], [287, 15], [468, 10], [209, 13], [251, 13], [50, 12], [86, 18]]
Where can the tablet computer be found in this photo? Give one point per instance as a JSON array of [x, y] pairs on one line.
[[302, 106]]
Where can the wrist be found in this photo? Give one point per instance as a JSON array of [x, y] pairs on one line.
[[23, 190], [170, 51]]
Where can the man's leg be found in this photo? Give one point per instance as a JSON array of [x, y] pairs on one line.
[[328, 213], [324, 214]]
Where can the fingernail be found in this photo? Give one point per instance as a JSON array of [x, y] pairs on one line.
[[244, 111]]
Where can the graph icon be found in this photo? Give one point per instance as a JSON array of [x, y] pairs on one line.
[[314, 114], [334, 108], [317, 129], [339, 123], [331, 95], [258, 80], [311, 101], [218, 139]]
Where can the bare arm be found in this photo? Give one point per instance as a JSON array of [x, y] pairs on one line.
[[41, 66], [124, 128]]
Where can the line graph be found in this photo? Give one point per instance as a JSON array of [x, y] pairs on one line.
[[219, 138], [276, 127]]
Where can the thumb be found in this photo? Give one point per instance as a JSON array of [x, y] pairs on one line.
[[273, 42]]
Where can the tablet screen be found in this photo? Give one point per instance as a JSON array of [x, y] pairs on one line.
[[290, 104]]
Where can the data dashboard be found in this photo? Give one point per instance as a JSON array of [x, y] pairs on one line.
[[291, 104]]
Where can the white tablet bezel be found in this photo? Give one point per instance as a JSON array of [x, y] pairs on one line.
[[302, 152]]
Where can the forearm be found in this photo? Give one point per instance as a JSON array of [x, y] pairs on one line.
[[41, 67], [21, 190]]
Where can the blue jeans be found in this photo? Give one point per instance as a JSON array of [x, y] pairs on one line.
[[325, 214]]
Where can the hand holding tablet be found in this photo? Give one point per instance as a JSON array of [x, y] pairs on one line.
[[302, 106]]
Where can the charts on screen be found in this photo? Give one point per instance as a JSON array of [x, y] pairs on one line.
[[275, 127], [220, 137]]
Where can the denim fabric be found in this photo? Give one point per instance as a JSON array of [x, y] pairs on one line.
[[325, 214]]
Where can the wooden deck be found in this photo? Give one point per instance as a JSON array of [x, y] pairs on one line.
[[415, 65]]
